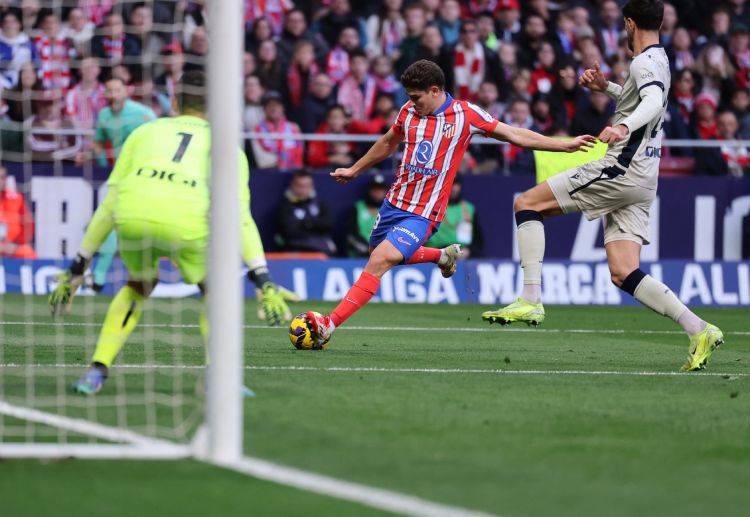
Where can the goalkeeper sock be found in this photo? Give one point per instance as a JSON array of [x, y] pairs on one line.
[[531, 250], [361, 292], [425, 255], [122, 317]]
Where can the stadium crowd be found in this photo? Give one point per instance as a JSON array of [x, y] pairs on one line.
[[333, 67]]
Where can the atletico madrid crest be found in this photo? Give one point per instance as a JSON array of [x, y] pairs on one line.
[[449, 130]]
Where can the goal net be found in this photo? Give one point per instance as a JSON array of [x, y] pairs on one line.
[[86, 75]]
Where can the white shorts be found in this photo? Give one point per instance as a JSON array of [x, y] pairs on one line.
[[603, 189]]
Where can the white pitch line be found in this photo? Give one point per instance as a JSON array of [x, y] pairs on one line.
[[77, 425], [403, 329], [144, 447], [370, 496], [377, 369]]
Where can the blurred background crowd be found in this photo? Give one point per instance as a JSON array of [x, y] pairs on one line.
[[333, 67]]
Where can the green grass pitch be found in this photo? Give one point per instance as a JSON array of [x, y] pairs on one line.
[[423, 400]]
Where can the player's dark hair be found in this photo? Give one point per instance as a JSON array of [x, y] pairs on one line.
[[193, 91], [422, 75], [647, 14]]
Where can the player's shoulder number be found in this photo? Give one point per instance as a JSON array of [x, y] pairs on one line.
[[185, 139]]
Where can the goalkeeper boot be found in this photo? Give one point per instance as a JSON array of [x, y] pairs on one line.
[[702, 346], [91, 382], [520, 310], [321, 327], [450, 255]]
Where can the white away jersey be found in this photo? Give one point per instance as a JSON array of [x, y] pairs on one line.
[[639, 153]]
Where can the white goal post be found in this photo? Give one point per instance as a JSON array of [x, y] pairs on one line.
[[220, 438]]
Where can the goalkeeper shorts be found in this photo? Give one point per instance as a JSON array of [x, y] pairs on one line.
[[143, 243]]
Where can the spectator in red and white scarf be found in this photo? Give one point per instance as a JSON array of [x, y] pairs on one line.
[[469, 62], [54, 51], [337, 62], [385, 29], [285, 154], [96, 10], [84, 101], [273, 10], [357, 92], [300, 72]]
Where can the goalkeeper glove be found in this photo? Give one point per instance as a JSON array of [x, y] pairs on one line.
[[61, 298], [286, 294], [273, 304], [271, 298]]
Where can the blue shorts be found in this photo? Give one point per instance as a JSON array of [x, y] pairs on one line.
[[403, 229]]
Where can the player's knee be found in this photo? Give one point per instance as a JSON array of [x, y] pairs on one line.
[[522, 202], [618, 275], [381, 262]]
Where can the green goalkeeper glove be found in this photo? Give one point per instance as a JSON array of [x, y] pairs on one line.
[[271, 298], [61, 298], [274, 305], [286, 294]]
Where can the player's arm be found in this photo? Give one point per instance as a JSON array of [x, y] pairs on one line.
[[100, 226], [102, 222], [528, 139], [380, 150], [651, 92]]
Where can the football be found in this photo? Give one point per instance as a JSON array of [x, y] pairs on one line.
[[301, 336]]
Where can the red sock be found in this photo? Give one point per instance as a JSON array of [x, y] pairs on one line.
[[360, 293], [424, 255]]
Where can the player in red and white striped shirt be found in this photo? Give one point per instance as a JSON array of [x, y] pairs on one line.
[[437, 130]]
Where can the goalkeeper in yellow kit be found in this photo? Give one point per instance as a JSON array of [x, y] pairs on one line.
[[158, 201]]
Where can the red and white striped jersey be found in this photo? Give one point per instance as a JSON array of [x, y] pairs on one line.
[[435, 146]]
